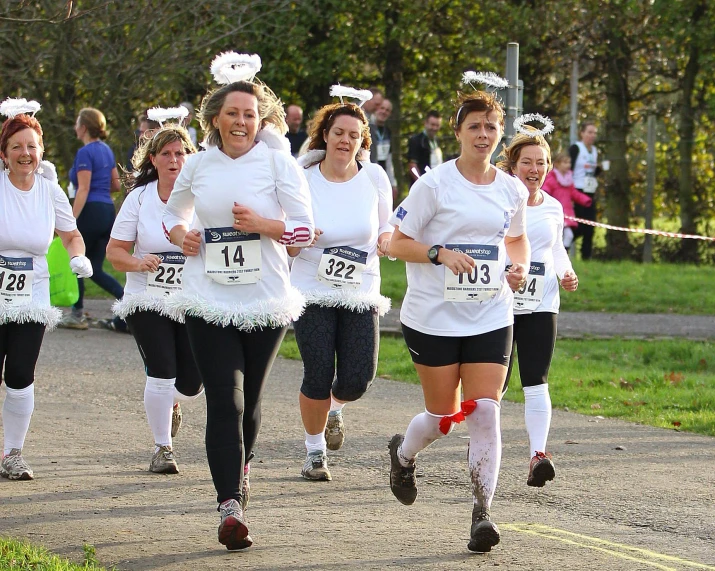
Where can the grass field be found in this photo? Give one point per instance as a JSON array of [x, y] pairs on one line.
[[614, 287], [664, 383], [21, 556]]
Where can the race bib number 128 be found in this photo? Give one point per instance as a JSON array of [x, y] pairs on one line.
[[16, 276]]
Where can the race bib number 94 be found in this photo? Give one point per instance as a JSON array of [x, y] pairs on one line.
[[341, 267], [232, 257], [532, 293], [483, 283], [167, 278], [16, 276]]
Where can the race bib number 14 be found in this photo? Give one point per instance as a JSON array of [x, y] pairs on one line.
[[16, 276], [232, 257], [483, 283]]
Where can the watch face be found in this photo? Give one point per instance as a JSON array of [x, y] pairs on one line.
[[432, 254]]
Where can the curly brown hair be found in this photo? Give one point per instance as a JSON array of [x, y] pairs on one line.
[[510, 154], [326, 116]]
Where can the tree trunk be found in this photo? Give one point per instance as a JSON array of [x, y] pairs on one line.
[[392, 78], [617, 184], [686, 132]]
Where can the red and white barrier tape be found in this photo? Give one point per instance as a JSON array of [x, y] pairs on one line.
[[640, 230]]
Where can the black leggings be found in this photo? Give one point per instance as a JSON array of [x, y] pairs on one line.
[[534, 340], [587, 213], [234, 366], [164, 346], [95, 224], [19, 349], [324, 333]]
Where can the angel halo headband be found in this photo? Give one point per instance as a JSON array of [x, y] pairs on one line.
[[488, 78], [520, 125], [11, 107], [341, 91], [230, 67], [161, 115]]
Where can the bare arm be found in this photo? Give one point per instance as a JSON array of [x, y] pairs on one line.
[[72, 241]]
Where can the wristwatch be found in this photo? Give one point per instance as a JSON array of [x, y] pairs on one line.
[[433, 253]]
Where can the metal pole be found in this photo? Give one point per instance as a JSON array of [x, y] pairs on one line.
[[650, 186], [512, 92], [573, 131]]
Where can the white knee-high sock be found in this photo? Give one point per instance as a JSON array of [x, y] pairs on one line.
[[16, 414], [484, 450], [179, 397], [158, 402], [537, 415], [422, 431]]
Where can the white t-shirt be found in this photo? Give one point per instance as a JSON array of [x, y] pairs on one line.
[[544, 226], [28, 220], [139, 221], [271, 184], [585, 167], [353, 214], [445, 208]]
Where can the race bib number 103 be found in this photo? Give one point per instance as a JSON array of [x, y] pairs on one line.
[[483, 283]]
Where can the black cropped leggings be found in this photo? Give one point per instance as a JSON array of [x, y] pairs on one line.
[[234, 366], [534, 340], [164, 346], [20, 345], [329, 334]]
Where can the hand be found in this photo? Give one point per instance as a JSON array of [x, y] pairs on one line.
[[191, 244], [383, 245], [516, 277], [316, 234], [150, 263], [81, 266], [246, 220], [570, 281], [457, 262]]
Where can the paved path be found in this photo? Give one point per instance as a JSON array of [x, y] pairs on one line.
[[571, 325], [647, 507]]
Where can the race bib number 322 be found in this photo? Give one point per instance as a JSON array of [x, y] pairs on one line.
[[16, 276], [483, 283], [232, 257], [167, 278], [342, 267]]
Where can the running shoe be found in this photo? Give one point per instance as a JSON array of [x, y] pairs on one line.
[[14, 467], [541, 470], [246, 487], [163, 461], [176, 418], [484, 533], [316, 467], [335, 430], [114, 324], [233, 531], [72, 321], [402, 478]]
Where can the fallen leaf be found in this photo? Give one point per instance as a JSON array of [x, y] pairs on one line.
[[626, 385], [576, 357], [620, 448], [595, 406], [674, 378], [601, 417], [675, 423], [702, 364], [570, 442]]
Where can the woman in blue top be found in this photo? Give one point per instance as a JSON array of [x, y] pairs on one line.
[[94, 174]]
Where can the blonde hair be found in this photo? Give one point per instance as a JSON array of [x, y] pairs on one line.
[[95, 122], [510, 154], [144, 171], [270, 108]]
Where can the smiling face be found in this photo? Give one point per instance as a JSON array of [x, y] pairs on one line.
[[479, 134], [237, 123], [23, 153], [531, 167], [169, 161], [344, 139]]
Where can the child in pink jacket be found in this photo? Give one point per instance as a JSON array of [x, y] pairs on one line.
[[559, 184]]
